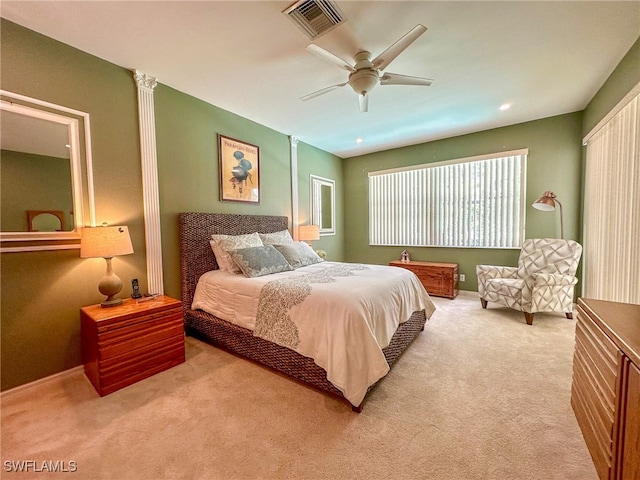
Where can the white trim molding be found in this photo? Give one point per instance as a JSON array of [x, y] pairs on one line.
[[633, 93], [293, 141], [149, 160], [81, 167], [65, 374]]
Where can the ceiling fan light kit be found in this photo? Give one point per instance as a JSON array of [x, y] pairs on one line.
[[365, 74], [362, 81]]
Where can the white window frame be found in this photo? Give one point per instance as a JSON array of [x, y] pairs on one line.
[[411, 206]]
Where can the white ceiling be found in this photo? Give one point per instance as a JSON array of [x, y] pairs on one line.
[[545, 58]]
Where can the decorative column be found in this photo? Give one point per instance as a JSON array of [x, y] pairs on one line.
[[294, 185], [153, 239]]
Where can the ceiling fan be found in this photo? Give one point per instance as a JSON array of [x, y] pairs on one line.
[[367, 73]]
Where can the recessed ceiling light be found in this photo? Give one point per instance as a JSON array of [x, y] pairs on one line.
[[359, 140], [505, 106]]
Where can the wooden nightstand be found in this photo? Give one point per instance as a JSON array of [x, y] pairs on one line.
[[125, 344], [439, 279]]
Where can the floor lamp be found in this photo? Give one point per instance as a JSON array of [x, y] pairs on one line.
[[546, 203]]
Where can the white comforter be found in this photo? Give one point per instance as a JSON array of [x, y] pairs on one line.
[[341, 315]]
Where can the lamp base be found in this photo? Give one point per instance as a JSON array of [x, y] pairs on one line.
[[110, 285], [114, 302]]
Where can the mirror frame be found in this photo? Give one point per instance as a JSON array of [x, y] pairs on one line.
[[81, 174], [315, 188]]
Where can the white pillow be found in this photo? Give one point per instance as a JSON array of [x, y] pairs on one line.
[[223, 244], [276, 238]]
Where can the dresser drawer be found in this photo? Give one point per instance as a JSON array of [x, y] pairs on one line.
[[595, 390], [598, 355]]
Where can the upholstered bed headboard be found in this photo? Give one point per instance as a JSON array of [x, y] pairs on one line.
[[195, 229]]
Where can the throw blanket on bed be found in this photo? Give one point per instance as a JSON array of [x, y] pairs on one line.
[[341, 315], [277, 297]]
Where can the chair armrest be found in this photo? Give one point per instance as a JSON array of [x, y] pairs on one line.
[[487, 272], [549, 279]]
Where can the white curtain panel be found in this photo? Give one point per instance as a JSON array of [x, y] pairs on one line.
[[612, 209]]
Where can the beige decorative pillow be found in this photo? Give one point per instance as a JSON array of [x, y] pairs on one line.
[[276, 238], [222, 245], [298, 254]]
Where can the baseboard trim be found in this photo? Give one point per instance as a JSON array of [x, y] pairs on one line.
[[42, 381]]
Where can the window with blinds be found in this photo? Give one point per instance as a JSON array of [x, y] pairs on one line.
[[472, 202]]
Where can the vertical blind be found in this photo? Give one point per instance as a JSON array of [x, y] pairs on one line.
[[611, 260], [474, 202]]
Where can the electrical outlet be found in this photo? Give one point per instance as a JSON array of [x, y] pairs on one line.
[[461, 277]]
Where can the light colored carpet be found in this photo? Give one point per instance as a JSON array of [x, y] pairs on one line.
[[478, 395]]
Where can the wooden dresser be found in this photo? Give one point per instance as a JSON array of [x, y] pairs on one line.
[[124, 344], [605, 394], [439, 279]]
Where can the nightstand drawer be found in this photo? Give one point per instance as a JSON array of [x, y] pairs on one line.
[[140, 339], [131, 323], [147, 367], [143, 360]]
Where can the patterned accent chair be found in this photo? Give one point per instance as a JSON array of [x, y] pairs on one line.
[[543, 281]]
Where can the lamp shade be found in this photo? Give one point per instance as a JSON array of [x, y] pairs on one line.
[[546, 202], [309, 232], [105, 242]]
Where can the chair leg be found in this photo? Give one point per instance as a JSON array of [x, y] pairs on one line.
[[528, 317], [569, 315], [483, 302]]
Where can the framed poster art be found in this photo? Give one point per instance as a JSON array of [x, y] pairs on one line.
[[239, 170]]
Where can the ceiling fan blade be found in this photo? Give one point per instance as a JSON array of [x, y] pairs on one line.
[[329, 57], [322, 92], [383, 60], [396, 79], [364, 102]]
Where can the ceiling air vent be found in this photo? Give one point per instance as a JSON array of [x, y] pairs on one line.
[[315, 17]]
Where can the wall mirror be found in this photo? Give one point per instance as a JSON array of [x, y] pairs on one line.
[[46, 168], [323, 208]]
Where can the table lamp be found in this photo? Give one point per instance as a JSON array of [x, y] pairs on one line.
[[306, 233], [546, 203], [106, 242]]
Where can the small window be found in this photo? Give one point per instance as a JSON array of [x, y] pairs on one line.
[[472, 202]]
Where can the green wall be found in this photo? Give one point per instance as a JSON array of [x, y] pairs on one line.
[[33, 182], [554, 163], [42, 292], [625, 76], [311, 161], [188, 173]]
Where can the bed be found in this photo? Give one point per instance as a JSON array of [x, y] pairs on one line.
[[198, 260]]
